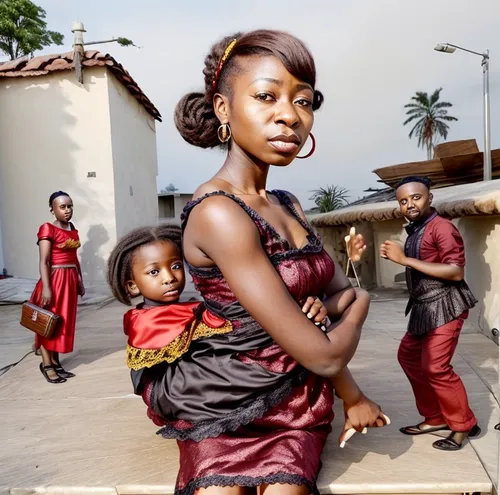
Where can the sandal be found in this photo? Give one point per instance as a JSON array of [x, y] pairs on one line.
[[451, 445], [415, 430], [43, 370], [62, 372]]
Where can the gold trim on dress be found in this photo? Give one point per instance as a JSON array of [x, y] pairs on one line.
[[69, 244], [146, 358]]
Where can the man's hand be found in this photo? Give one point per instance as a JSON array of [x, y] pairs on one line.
[[355, 245], [394, 252], [315, 310]]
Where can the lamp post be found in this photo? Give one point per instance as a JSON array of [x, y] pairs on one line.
[[449, 48]]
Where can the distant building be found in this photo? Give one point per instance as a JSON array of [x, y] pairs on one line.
[[95, 140], [170, 206]]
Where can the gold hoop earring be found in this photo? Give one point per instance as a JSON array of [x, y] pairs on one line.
[[224, 133]]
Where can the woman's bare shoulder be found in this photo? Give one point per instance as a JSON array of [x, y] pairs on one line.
[[211, 186]]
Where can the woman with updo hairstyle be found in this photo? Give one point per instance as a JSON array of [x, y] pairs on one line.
[[59, 285], [251, 409]]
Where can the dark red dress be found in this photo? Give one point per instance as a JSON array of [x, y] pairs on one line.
[[64, 282], [243, 411]]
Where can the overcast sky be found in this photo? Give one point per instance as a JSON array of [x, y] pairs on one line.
[[371, 57]]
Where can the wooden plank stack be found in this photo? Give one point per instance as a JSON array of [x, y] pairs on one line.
[[455, 162]]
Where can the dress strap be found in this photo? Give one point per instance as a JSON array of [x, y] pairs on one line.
[[285, 199], [259, 222]]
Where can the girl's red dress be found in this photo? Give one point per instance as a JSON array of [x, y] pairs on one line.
[[64, 283]]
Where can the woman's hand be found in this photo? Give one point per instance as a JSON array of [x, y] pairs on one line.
[[46, 297], [362, 414], [355, 245]]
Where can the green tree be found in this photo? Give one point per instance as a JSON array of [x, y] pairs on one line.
[[432, 116], [23, 29], [169, 189], [329, 198]]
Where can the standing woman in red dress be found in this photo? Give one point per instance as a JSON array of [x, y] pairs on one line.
[[59, 286]]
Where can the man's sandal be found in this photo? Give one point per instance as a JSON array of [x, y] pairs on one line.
[[449, 444], [415, 430]]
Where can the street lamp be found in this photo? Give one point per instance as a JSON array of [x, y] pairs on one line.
[[449, 48]]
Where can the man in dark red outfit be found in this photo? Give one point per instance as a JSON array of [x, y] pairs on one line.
[[440, 300]]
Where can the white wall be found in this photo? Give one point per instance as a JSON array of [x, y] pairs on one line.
[[390, 230], [482, 247], [52, 133], [135, 164], [2, 266]]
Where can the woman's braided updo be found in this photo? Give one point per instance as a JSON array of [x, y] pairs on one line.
[[194, 115]]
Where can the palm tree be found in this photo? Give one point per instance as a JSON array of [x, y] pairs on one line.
[[329, 198], [432, 117]]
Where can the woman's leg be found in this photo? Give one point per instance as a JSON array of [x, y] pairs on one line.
[[59, 369], [280, 489], [47, 361]]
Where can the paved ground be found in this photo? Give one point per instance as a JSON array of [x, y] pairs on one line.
[[18, 290], [91, 435]]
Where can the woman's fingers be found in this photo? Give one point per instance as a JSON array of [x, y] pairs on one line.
[[345, 436]]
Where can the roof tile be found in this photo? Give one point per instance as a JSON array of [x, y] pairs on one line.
[[45, 64]]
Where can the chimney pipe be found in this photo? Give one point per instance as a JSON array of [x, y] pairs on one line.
[[78, 49]]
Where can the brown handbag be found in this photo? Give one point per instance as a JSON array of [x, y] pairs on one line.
[[38, 320]]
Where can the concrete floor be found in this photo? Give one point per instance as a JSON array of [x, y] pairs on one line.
[[91, 435]]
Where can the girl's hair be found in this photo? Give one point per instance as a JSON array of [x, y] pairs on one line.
[[120, 259], [194, 115], [55, 195]]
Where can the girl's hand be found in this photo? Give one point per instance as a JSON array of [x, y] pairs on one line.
[[359, 416], [315, 310], [355, 245], [81, 287], [46, 297]]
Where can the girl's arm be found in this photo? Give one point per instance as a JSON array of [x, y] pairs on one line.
[[238, 253], [45, 248]]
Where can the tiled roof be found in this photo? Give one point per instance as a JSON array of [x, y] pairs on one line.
[[39, 66]]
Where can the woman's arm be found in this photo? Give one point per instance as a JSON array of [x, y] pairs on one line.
[[45, 247], [220, 231]]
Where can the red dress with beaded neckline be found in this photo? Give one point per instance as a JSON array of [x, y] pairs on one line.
[[64, 283], [242, 410]]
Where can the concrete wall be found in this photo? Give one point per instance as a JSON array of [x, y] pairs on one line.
[[482, 246], [391, 230], [133, 137], [53, 132], [171, 207], [166, 207], [2, 266]]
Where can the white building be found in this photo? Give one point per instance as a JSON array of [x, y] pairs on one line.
[[96, 141]]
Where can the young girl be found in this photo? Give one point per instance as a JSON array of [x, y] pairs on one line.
[[60, 284], [148, 262]]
